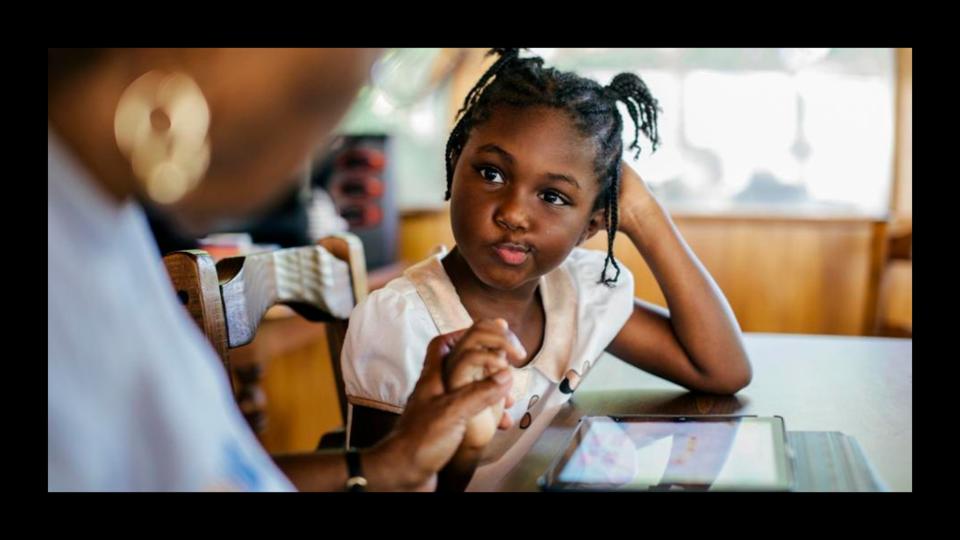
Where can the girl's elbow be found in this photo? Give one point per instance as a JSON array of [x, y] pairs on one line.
[[742, 380], [741, 383], [730, 384]]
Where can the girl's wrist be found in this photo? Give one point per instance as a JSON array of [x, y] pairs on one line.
[[640, 215]]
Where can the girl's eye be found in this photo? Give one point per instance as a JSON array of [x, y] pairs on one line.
[[490, 175], [554, 198]]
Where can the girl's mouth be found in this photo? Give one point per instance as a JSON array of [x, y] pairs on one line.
[[512, 254]]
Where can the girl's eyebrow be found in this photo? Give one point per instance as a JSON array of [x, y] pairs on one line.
[[494, 149], [564, 178], [508, 157]]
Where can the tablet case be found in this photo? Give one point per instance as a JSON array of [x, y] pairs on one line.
[[830, 461]]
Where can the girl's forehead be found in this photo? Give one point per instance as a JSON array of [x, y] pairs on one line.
[[537, 136]]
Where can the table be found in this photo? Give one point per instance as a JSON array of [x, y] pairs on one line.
[[860, 386]]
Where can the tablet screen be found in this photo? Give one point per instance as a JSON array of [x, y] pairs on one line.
[[715, 453]]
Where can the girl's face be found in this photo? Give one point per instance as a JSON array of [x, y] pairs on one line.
[[522, 195]]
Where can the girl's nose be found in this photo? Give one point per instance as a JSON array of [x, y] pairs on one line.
[[512, 214]]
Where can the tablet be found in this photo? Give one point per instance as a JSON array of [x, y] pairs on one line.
[[673, 453]]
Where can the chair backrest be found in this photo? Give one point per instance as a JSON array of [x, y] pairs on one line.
[[228, 300]]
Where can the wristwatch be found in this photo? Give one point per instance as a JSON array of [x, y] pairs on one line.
[[356, 482]]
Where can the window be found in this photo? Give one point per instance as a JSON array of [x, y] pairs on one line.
[[779, 130]]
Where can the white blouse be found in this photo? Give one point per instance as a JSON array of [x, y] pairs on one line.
[[389, 331]]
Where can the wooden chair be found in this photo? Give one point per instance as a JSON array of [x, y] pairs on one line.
[[229, 299]]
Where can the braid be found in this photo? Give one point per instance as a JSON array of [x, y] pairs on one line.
[[641, 105], [612, 221], [453, 148], [524, 82], [506, 55], [458, 135], [643, 108]]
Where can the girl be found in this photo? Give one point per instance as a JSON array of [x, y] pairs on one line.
[[534, 169]]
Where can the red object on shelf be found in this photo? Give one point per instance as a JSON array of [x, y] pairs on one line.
[[362, 157], [354, 186], [362, 215]]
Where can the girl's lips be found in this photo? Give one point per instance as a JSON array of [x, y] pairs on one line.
[[511, 254]]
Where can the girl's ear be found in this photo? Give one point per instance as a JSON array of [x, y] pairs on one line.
[[597, 222]]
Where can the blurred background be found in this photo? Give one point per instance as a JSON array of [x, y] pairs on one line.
[[788, 171]]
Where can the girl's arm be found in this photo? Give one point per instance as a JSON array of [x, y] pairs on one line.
[[493, 340], [458, 472], [697, 343], [368, 426]]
